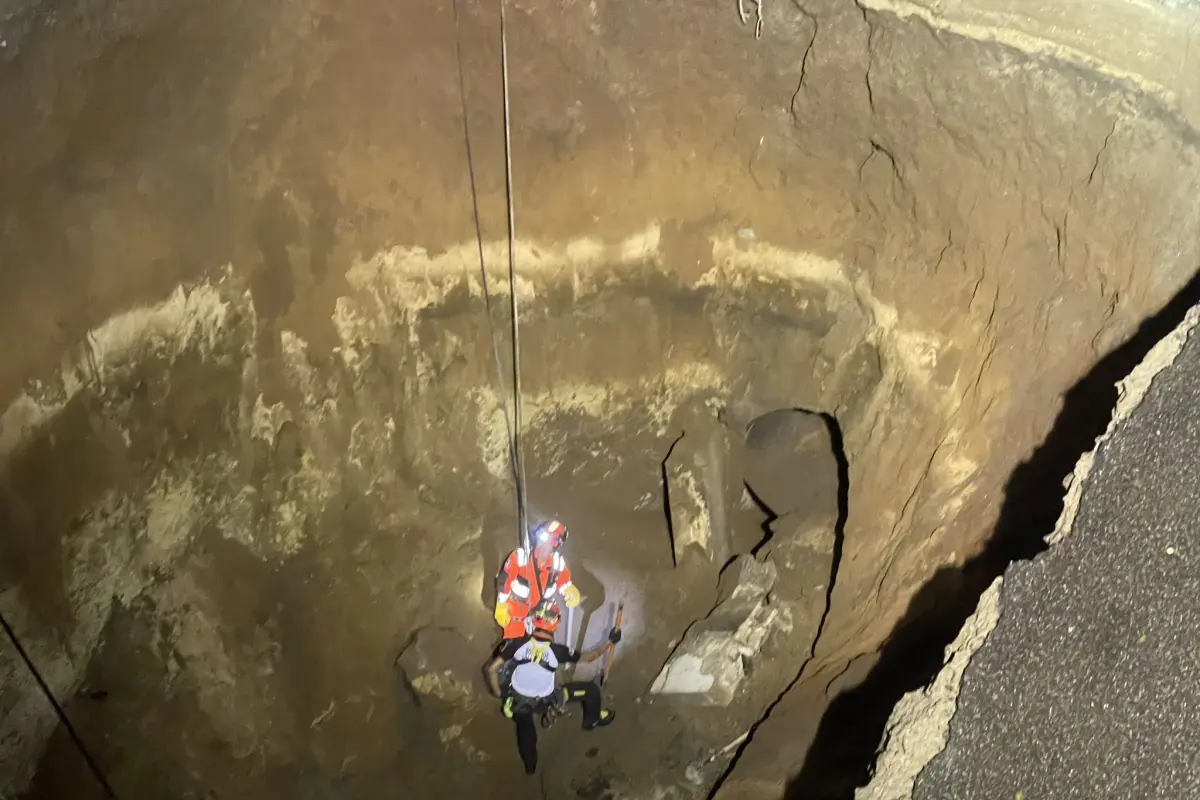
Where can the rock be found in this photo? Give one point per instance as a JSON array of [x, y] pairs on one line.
[[696, 474], [801, 550], [709, 665], [437, 666], [705, 667], [744, 584], [790, 462]]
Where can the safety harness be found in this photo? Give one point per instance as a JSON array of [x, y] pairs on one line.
[[514, 702], [557, 565]]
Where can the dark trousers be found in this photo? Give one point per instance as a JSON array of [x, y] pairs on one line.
[[527, 739], [585, 692], [588, 696]]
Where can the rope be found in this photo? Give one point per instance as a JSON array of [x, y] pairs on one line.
[[58, 709], [512, 428], [522, 504]]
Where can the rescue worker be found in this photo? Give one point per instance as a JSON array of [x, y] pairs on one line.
[[527, 579], [528, 686]]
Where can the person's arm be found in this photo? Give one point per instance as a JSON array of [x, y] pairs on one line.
[[506, 652], [492, 671], [563, 578], [504, 590], [508, 571], [569, 590], [588, 656]]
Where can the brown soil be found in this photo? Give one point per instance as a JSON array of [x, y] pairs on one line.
[[252, 441]]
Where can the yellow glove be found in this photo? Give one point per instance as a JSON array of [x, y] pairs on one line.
[[571, 595], [502, 615]]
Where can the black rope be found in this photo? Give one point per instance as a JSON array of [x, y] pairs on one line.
[[513, 453], [58, 709]]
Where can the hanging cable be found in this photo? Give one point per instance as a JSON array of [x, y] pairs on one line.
[[58, 710], [511, 427], [522, 505]]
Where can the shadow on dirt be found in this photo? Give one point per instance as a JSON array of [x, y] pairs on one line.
[[842, 756]]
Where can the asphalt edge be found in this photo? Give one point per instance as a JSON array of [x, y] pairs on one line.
[[919, 727], [1130, 392]]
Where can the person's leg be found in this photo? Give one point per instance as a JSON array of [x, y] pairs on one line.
[[527, 740], [588, 695]]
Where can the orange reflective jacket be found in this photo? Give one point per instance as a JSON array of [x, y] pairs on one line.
[[519, 587]]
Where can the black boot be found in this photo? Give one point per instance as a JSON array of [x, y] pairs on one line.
[[606, 717]]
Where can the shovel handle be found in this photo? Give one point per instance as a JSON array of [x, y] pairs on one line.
[[611, 654]]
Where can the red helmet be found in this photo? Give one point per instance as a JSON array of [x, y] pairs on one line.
[[546, 616], [552, 532]]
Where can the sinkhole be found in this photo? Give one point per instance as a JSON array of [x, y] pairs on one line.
[[812, 325]]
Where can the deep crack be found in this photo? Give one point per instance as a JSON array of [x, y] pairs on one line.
[[843, 754], [839, 529], [871, 30], [770, 517], [942, 255], [1100, 152], [879, 148], [1062, 229], [843, 509], [804, 59], [666, 490]]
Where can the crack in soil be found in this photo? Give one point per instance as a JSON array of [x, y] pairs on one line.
[[844, 751], [843, 507]]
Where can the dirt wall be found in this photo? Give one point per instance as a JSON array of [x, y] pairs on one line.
[[263, 481]]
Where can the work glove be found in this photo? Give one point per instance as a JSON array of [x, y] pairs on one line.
[[502, 615], [614, 636], [571, 595]]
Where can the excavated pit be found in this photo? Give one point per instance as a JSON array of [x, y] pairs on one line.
[[813, 297]]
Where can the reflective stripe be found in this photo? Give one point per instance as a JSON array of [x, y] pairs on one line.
[[520, 590], [522, 557], [559, 562], [566, 586], [502, 597], [551, 590]]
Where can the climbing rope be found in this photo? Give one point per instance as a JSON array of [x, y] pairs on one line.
[[522, 500], [512, 428]]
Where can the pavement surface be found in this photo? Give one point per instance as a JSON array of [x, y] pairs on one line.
[[1089, 687]]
